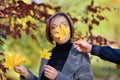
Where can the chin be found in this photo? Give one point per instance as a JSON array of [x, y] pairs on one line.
[[62, 41]]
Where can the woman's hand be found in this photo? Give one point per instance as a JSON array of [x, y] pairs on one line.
[[21, 70], [50, 72], [83, 46]]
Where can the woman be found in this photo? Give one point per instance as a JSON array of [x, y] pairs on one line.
[[66, 62]]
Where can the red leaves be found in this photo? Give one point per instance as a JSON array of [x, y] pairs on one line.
[[22, 9], [19, 9], [107, 8], [100, 17], [3, 75], [74, 20], [1, 54], [98, 40], [92, 2], [91, 9], [27, 30], [2, 68], [94, 21], [95, 12], [34, 37], [90, 28], [85, 20], [1, 15], [5, 28], [16, 34], [1, 42]]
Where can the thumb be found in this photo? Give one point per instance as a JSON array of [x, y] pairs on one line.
[[17, 68], [78, 42]]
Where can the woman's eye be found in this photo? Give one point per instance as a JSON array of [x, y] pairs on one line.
[[64, 24]]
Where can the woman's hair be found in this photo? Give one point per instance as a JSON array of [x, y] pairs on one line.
[[48, 35]]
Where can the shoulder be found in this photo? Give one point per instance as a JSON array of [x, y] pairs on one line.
[[79, 54]]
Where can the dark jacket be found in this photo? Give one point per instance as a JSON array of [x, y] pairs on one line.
[[76, 67], [107, 53]]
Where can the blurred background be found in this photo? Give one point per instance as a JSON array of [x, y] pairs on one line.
[[22, 30]]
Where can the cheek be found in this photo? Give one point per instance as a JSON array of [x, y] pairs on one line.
[[52, 32], [68, 36]]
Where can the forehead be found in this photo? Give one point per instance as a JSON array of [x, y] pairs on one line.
[[59, 19]]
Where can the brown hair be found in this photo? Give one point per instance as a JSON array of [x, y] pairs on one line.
[[48, 35]]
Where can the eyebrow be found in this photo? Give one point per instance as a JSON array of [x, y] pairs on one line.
[[52, 25], [64, 22], [61, 22]]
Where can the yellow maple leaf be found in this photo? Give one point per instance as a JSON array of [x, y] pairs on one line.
[[12, 60], [45, 54], [62, 31]]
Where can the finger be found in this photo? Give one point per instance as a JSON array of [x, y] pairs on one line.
[[16, 67], [48, 75], [76, 41], [76, 45], [17, 70], [49, 67], [78, 48], [79, 41], [48, 70], [21, 66]]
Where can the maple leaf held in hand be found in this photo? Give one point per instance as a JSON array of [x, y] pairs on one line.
[[12, 60], [45, 54], [62, 31]]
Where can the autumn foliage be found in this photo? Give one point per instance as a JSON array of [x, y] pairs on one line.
[[18, 18]]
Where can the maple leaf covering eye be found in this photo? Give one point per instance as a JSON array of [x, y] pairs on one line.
[[62, 31], [45, 54], [12, 60]]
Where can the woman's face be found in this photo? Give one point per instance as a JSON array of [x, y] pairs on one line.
[[56, 22]]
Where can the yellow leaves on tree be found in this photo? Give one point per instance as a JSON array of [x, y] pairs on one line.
[[12, 60], [45, 54], [27, 1], [50, 11], [62, 31]]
